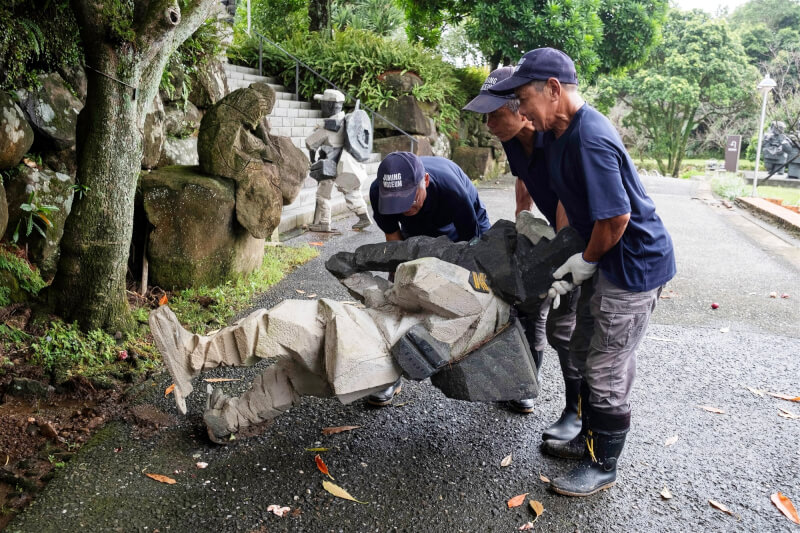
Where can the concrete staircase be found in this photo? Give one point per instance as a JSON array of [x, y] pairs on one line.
[[296, 120]]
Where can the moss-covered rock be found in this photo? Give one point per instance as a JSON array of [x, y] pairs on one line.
[[16, 135], [52, 110], [196, 239]]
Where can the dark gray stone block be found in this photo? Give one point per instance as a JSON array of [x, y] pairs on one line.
[[419, 354]]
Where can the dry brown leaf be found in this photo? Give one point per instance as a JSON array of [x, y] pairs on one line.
[[711, 409], [162, 479], [537, 507], [163, 300], [299, 291], [313, 295], [757, 392], [716, 505], [316, 449], [29, 163], [506, 461], [339, 492], [784, 396], [322, 466], [544, 478], [672, 440], [339, 429], [221, 380], [317, 243], [785, 506], [788, 414], [169, 390], [516, 501], [666, 494]]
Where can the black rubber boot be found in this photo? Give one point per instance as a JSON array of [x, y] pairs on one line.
[[385, 396], [569, 424], [598, 468], [574, 447]]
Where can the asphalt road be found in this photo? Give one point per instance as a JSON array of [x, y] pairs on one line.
[[429, 463]]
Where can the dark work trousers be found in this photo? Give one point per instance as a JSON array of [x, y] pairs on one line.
[[611, 322], [554, 327]]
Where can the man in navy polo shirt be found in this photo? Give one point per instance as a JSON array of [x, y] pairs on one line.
[[424, 196], [628, 258], [524, 149]]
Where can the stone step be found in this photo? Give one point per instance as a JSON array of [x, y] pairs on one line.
[[243, 76], [239, 68], [234, 84], [298, 121], [290, 112]]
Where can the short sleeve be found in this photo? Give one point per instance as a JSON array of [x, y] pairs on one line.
[[601, 168]]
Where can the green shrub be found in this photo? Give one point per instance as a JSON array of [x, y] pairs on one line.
[[63, 350], [36, 37], [353, 60], [17, 274], [204, 43]]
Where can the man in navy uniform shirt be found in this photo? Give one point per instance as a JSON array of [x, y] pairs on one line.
[[628, 259], [523, 149], [424, 196]]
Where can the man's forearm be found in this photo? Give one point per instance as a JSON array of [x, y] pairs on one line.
[[396, 236], [523, 197], [561, 217], [605, 234]]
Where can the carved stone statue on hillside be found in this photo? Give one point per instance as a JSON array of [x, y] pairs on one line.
[[778, 148]]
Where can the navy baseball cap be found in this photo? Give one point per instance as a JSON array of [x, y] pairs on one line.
[[539, 64], [487, 102], [399, 175]]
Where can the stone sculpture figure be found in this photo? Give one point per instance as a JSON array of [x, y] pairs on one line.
[[778, 147], [337, 148], [437, 319]]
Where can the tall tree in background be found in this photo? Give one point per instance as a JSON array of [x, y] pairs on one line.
[[319, 15], [600, 35], [126, 46], [697, 72]]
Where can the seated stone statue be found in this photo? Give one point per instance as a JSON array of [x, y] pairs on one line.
[[437, 319]]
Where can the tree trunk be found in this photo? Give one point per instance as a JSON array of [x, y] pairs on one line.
[[90, 283], [319, 15]]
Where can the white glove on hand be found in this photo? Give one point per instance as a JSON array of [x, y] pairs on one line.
[[580, 269]]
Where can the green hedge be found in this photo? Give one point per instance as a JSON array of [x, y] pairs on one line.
[[353, 59]]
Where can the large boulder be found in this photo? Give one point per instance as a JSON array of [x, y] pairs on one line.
[[63, 161], [209, 84], [477, 162], [16, 135], [401, 143], [179, 152], [177, 91], [3, 209], [400, 81], [196, 239], [48, 188], [52, 110], [180, 120], [407, 114], [234, 142], [76, 77], [153, 135]]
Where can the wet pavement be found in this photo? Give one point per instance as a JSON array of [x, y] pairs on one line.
[[429, 463]]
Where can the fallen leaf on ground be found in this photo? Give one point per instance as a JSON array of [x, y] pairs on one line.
[[338, 429], [526, 526], [299, 291], [316, 449], [516, 501], [785, 506], [506, 461], [672, 440], [716, 505], [536, 507], [339, 492], [162, 479], [666, 494], [757, 392], [784, 295], [544, 478], [711, 409], [773, 294], [317, 243], [314, 295], [788, 414], [322, 466], [201, 465], [221, 380], [29, 163], [724, 330], [277, 510], [169, 390], [163, 300], [784, 396]]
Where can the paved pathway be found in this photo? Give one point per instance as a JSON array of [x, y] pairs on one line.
[[432, 464]]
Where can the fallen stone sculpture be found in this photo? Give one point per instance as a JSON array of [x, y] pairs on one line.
[[438, 319], [326, 348]]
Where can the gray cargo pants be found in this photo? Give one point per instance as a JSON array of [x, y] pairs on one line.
[[610, 324], [554, 327]]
